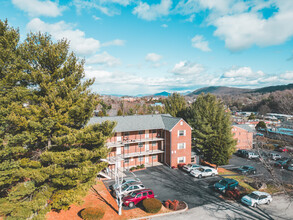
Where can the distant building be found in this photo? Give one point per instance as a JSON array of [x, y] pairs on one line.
[[243, 133], [147, 139]]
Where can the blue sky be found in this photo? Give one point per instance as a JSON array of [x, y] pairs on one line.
[[143, 47]]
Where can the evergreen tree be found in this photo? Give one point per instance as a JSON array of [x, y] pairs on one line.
[[211, 129], [261, 126], [174, 104], [49, 157]]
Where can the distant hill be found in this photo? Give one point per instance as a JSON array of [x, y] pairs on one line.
[[224, 90], [162, 94], [273, 88], [219, 90]]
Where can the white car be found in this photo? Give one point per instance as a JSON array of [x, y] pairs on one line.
[[126, 181], [256, 198], [128, 188], [275, 156], [252, 155], [190, 167], [203, 172]]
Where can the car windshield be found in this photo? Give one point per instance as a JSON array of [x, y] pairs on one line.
[[223, 182], [245, 167], [133, 194], [124, 187], [252, 195], [189, 165]]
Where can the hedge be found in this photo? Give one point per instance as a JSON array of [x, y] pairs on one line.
[[92, 213], [152, 205]]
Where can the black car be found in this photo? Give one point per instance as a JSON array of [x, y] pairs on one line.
[[246, 170], [241, 153]]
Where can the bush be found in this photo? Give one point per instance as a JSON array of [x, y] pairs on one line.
[[92, 213], [152, 205], [142, 166], [132, 168]]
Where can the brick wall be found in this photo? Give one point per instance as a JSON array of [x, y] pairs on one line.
[[244, 138]]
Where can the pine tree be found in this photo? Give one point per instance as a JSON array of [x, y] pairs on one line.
[[49, 157], [174, 104], [211, 129]]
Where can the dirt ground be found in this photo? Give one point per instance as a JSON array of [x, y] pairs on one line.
[[99, 196]]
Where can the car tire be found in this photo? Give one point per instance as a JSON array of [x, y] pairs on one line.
[[131, 205], [282, 167], [268, 202], [254, 205], [254, 172], [199, 176], [213, 174]]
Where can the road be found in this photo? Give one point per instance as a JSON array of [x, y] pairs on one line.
[[280, 208]]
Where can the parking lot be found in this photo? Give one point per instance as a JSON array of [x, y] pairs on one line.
[[262, 173], [176, 184]]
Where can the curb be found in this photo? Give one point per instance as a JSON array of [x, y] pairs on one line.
[[162, 214]]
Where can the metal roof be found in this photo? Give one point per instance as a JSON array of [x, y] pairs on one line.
[[245, 127], [139, 122]]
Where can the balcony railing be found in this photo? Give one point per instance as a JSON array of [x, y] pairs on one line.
[[122, 143], [113, 159]]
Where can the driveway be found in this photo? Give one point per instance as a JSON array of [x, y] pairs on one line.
[[176, 184]]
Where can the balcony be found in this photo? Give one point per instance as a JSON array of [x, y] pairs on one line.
[[122, 143]]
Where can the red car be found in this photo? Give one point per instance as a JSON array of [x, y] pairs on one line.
[[283, 149], [135, 197]]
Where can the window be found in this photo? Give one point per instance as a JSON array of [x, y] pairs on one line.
[[154, 156], [136, 187], [181, 122], [126, 160], [145, 194], [181, 133], [181, 159], [140, 159], [140, 144], [140, 132], [154, 143], [154, 131], [180, 146], [138, 196], [192, 159], [126, 147], [126, 134], [150, 193], [208, 170]]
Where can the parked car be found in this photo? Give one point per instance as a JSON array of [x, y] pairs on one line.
[[283, 149], [226, 184], [246, 170], [256, 198], [137, 196], [126, 181], [190, 167], [281, 163], [289, 166], [275, 156], [128, 188], [251, 155], [241, 153], [203, 172]]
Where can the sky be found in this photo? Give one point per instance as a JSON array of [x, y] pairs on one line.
[[139, 47]]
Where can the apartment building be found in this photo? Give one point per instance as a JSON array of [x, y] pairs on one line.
[[243, 133], [148, 139]]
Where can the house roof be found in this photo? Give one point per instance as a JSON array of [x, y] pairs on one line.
[[139, 122], [246, 127]]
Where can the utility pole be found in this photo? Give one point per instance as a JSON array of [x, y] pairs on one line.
[[118, 181]]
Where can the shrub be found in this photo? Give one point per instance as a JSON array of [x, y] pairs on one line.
[[152, 205], [132, 168], [138, 167], [142, 166], [92, 213]]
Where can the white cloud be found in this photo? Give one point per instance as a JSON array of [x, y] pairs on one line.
[[116, 42], [39, 8], [153, 57], [242, 72], [187, 68], [164, 25], [151, 12], [96, 18], [191, 18], [104, 59], [78, 42], [200, 43], [288, 75]]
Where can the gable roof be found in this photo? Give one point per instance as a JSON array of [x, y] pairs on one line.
[[246, 127], [139, 122]]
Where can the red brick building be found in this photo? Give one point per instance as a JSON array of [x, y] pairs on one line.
[[244, 136], [148, 139]]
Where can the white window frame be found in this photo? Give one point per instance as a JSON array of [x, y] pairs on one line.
[[154, 156], [140, 159], [181, 122], [181, 146], [184, 133], [126, 147], [154, 143], [180, 158], [140, 144], [126, 160]]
